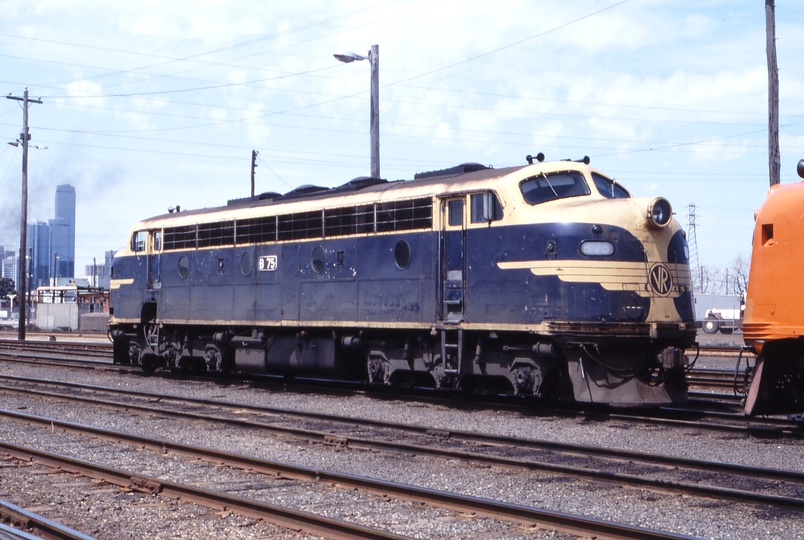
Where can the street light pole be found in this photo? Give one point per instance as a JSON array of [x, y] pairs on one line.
[[374, 60], [24, 138]]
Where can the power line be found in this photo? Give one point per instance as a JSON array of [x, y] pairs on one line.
[[519, 42], [419, 104], [170, 60], [514, 44], [196, 89], [209, 64], [273, 171], [576, 102]]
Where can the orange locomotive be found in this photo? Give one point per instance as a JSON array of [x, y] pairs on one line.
[[774, 310]]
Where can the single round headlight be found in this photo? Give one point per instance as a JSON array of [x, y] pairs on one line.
[[660, 212]]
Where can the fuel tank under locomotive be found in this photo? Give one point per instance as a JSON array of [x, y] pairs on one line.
[[205, 349]]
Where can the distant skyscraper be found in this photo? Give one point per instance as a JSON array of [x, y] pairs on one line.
[[39, 264], [62, 230]]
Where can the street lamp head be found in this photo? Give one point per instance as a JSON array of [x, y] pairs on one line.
[[347, 57], [38, 147]]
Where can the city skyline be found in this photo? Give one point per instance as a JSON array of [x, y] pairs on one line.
[[52, 244]]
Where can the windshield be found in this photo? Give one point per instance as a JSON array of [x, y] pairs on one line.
[[609, 188], [548, 187]]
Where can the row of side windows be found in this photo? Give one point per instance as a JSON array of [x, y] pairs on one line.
[[381, 217]]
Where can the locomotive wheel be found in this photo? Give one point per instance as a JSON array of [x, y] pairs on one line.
[[710, 326], [150, 362]]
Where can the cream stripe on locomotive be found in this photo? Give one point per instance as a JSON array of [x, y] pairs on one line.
[[646, 279], [546, 328]]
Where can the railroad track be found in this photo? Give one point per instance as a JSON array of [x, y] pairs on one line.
[[68, 348], [519, 514], [704, 412], [286, 517], [691, 417], [719, 379], [516, 453], [325, 432], [104, 349], [25, 519]]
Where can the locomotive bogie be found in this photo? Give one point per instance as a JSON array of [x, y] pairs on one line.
[[518, 278]]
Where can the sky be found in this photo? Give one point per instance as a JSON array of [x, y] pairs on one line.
[[150, 104]]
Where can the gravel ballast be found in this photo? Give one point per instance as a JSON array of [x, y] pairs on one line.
[[690, 515]]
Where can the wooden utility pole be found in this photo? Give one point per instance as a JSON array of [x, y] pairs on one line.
[[374, 58], [21, 281], [774, 161], [254, 155]]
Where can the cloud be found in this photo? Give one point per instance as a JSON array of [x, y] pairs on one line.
[[84, 92]]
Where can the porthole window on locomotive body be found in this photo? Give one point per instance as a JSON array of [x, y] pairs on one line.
[[246, 263], [318, 260], [402, 254], [184, 267]]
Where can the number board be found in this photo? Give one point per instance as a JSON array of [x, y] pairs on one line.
[[267, 263]]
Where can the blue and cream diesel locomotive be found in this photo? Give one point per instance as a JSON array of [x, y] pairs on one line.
[[546, 279]]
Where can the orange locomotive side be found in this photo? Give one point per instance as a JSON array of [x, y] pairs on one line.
[[774, 309]]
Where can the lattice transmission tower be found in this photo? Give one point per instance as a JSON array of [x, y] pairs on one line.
[[692, 242]]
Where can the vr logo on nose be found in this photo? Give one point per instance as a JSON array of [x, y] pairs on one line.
[[661, 280]]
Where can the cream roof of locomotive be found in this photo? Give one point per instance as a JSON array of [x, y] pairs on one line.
[[506, 185]]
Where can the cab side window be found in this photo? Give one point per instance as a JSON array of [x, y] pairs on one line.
[[609, 188], [485, 207], [138, 241]]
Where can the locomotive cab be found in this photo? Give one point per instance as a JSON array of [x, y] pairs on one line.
[[612, 282], [774, 325]]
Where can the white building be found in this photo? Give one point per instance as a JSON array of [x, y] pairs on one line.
[[11, 268], [99, 275]]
